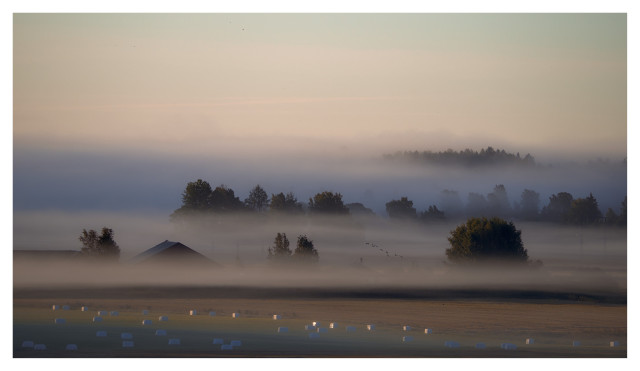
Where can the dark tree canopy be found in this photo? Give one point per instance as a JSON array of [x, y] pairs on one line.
[[484, 240], [328, 203], [401, 209], [285, 203], [468, 157], [258, 199], [223, 199], [280, 249], [357, 208], [584, 211], [529, 204], [197, 196], [305, 251], [432, 214], [101, 246], [558, 208]]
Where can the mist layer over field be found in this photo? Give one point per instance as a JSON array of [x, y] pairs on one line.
[[369, 252]]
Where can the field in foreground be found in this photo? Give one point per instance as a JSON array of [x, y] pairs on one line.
[[553, 321]]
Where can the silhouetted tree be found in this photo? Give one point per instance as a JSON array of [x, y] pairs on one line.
[[258, 199], [223, 199], [305, 252], [280, 249], [101, 246], [357, 208], [529, 203], [558, 208], [285, 203], [486, 240], [584, 211], [195, 198], [328, 203], [432, 214], [401, 209], [498, 201]]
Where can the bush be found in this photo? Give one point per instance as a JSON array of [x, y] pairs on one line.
[[484, 240]]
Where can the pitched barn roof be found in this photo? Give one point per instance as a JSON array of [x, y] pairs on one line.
[[166, 248]]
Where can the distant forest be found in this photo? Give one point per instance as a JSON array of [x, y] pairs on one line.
[[468, 158]]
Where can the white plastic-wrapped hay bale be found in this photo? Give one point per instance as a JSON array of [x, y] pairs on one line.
[[576, 343], [407, 339], [277, 317], [236, 343], [314, 335], [163, 318], [71, 347], [65, 307], [212, 314], [126, 336], [174, 341], [614, 344], [282, 330], [310, 327], [333, 325], [102, 313], [101, 334], [406, 328], [145, 312], [226, 347], [529, 341], [97, 319], [508, 346], [55, 307], [84, 309], [193, 312], [371, 327], [351, 329], [218, 341], [27, 344], [322, 330], [39, 347], [235, 315], [114, 313], [480, 346], [427, 331], [161, 332], [146, 322], [59, 321], [127, 344], [451, 344], [316, 323]]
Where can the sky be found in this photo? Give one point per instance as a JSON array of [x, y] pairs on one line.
[[213, 83]]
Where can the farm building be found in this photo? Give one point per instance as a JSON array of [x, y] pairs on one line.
[[172, 253]]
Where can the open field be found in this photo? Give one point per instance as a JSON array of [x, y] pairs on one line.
[[554, 321]]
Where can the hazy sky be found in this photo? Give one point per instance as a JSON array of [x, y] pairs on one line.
[[205, 82]]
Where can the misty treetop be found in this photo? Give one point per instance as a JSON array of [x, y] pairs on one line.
[[328, 203], [281, 253], [486, 240], [467, 158], [101, 246]]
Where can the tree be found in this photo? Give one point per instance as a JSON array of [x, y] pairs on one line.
[[102, 246], [584, 211], [486, 240], [257, 200], [558, 208], [285, 203], [498, 201], [401, 209], [432, 214], [529, 201], [195, 198], [280, 249], [305, 252], [358, 208], [223, 199], [476, 205], [328, 203]]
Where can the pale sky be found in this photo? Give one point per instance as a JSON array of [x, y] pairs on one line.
[[105, 82]]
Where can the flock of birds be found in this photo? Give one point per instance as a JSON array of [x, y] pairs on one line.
[[384, 251]]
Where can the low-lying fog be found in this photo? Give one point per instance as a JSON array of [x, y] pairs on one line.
[[409, 255]]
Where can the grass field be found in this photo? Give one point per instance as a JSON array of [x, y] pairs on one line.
[[554, 324]]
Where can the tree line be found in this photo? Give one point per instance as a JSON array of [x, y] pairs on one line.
[[200, 198], [467, 158]]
